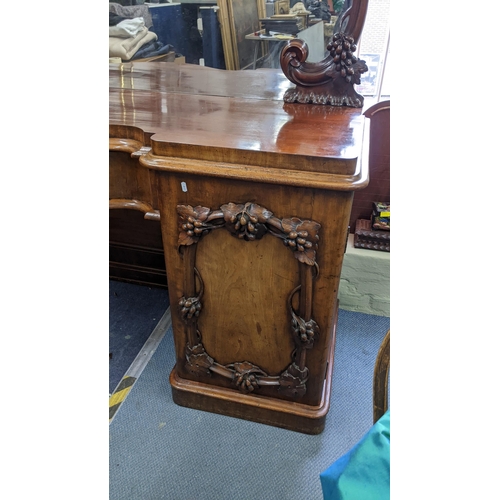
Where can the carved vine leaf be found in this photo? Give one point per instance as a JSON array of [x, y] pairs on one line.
[[302, 237], [192, 223], [246, 221], [198, 361], [293, 381], [245, 376]]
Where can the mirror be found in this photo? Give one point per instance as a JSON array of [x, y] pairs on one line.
[[318, 21], [323, 22], [346, 18], [230, 34], [315, 20]]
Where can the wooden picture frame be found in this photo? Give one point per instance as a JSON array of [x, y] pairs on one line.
[[237, 19], [282, 7], [225, 28]]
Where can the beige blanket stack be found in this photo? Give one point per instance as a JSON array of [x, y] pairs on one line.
[[127, 37]]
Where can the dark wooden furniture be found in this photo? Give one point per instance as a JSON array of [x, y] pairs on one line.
[[135, 248], [379, 161], [381, 378], [253, 197], [331, 80]]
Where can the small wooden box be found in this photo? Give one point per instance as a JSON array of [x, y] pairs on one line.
[[366, 237]]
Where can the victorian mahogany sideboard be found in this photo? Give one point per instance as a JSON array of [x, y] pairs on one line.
[[253, 196]]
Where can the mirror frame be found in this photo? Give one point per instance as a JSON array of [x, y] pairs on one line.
[[357, 16]]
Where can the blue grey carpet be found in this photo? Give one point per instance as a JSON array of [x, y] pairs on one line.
[[134, 311], [159, 450]]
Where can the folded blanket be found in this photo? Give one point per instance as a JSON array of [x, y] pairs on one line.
[[131, 11], [127, 47], [153, 49], [127, 27]]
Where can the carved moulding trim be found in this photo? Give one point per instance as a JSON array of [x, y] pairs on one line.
[[149, 212], [125, 145], [284, 177], [249, 222]]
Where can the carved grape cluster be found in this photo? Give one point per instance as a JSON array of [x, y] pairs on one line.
[[245, 376], [342, 48], [305, 330], [193, 227], [190, 307], [246, 382], [297, 240], [245, 225]]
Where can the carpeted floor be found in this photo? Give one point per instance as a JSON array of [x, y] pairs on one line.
[[134, 311], [159, 450]]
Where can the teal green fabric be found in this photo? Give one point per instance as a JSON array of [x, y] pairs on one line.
[[363, 473]]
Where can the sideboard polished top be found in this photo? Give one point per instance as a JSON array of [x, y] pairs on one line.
[[201, 113]]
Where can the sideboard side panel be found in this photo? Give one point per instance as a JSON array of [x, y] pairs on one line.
[[329, 208]]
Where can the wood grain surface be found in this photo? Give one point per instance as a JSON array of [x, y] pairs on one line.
[[253, 317], [230, 121]]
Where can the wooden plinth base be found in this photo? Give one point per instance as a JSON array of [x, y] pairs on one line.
[[276, 412]]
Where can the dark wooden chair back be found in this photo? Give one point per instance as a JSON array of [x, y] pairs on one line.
[[381, 379], [379, 164]]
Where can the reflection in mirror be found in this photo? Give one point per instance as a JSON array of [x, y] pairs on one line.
[[227, 34], [314, 21], [339, 21], [323, 23]]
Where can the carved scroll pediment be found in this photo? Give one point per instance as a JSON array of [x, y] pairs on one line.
[[330, 81]]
